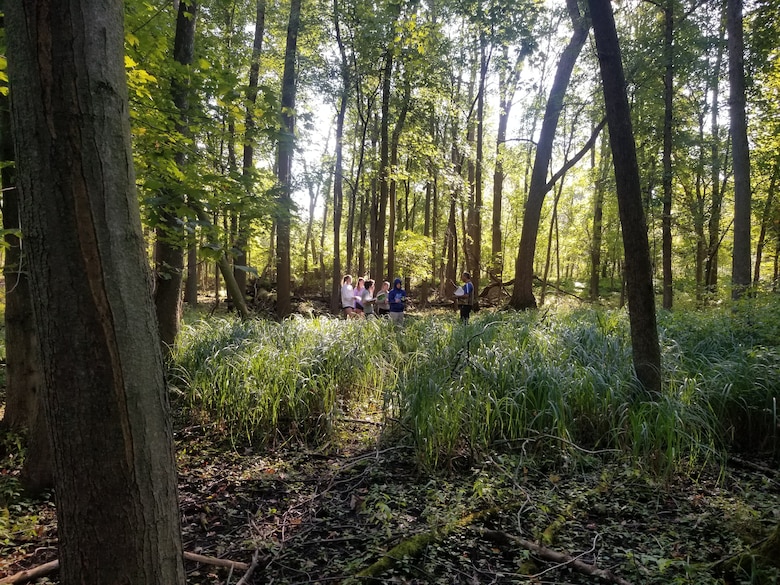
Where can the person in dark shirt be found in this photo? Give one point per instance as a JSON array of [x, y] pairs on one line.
[[397, 297], [466, 300]]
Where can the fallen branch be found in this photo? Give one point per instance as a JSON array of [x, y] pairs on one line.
[[251, 569], [555, 556], [236, 565], [47, 568], [31, 574]]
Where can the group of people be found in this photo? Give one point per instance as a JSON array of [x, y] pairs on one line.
[[359, 301]]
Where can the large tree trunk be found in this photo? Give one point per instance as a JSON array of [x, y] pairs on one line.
[[639, 276], [522, 294], [104, 386], [286, 147], [740, 268], [169, 251]]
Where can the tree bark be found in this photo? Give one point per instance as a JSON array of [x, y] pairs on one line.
[[23, 375], [740, 267], [285, 156], [522, 293], [638, 269], [666, 218], [104, 388], [169, 250], [338, 167]]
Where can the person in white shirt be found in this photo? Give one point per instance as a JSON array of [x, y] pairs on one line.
[[347, 297]]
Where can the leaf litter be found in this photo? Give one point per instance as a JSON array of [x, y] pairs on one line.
[[324, 515]]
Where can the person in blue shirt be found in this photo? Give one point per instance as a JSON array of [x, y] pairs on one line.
[[466, 300], [397, 297]]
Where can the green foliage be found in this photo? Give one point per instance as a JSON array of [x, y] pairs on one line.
[[264, 380], [561, 382]]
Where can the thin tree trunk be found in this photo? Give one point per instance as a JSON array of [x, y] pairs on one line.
[[338, 168], [169, 252], [766, 218], [666, 219], [285, 155], [711, 266]]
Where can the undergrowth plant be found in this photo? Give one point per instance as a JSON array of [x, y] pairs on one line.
[[264, 380], [560, 381]]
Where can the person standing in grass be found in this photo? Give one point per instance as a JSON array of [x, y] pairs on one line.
[[382, 304], [358, 293], [397, 298], [367, 300], [465, 300], [347, 297]]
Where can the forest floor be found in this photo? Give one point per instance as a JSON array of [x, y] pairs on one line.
[[325, 515]]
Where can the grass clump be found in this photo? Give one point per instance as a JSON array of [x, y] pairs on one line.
[[558, 381], [264, 380]]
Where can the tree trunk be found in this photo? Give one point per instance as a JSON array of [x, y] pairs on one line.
[[393, 193], [169, 251], [638, 269], [104, 388], [23, 375], [248, 154], [598, 215], [766, 218], [666, 218], [384, 168], [740, 268], [522, 294], [286, 147], [711, 265], [338, 167]]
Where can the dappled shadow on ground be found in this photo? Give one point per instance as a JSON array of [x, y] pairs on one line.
[[325, 515]]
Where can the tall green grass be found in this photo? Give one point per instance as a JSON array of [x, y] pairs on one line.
[[556, 381], [264, 380]]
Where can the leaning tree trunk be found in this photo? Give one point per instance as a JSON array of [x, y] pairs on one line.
[[522, 293], [104, 388], [285, 156], [639, 276]]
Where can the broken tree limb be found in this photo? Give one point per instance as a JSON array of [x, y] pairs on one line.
[[251, 569], [47, 568], [31, 574], [204, 560], [554, 556]]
